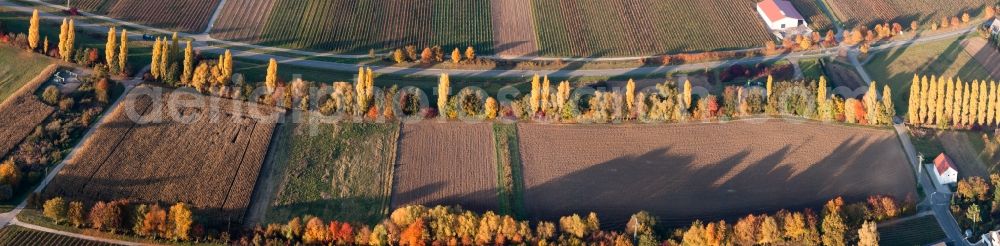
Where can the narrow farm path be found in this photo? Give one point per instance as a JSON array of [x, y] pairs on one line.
[[215, 16], [206, 43]]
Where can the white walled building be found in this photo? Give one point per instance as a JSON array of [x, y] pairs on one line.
[[780, 14]]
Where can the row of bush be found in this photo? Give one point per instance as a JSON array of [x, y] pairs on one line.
[[442, 225], [176, 222]]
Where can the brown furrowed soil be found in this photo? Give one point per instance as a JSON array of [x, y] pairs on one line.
[[513, 28], [446, 164], [20, 116], [705, 171], [208, 157]]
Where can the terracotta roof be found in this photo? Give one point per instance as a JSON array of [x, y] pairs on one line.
[[779, 9], [942, 163]]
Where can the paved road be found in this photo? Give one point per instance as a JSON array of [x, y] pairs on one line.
[[208, 44], [938, 201]]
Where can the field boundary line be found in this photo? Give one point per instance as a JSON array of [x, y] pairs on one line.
[[114, 149], [268, 165], [215, 16], [387, 204], [395, 165], [243, 159]]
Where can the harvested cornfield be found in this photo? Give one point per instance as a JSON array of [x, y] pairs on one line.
[[357, 26], [340, 171], [871, 12], [16, 235], [513, 30], [595, 28], [20, 116], [172, 147], [705, 171], [446, 164], [180, 15]]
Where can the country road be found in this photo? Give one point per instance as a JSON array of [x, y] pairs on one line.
[[206, 43], [938, 201]]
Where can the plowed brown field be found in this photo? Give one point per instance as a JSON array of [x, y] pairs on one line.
[[704, 171], [446, 164], [210, 161], [513, 28]]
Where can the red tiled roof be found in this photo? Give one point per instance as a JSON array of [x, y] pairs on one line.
[[942, 163], [779, 9]]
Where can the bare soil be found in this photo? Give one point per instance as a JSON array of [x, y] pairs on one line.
[[513, 28], [446, 164], [705, 171]]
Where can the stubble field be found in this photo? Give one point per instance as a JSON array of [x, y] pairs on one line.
[[704, 171], [446, 164], [208, 157]]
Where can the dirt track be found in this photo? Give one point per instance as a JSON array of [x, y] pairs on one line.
[[704, 171], [446, 164]]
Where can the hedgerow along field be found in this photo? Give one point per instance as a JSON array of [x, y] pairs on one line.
[[336, 171], [190, 16], [446, 164], [686, 172], [357, 27], [872, 12], [16, 235], [208, 157], [595, 28]]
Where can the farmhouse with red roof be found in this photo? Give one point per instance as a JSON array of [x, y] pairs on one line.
[[944, 170], [779, 14]]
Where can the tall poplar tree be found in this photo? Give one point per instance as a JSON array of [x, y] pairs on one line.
[[913, 108], [33, 35], [110, 49], [123, 53], [188, 64]]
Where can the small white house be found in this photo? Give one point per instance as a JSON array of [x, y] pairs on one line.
[[779, 14], [994, 26], [944, 170]]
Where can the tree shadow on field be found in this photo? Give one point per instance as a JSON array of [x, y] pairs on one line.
[[367, 210], [678, 189], [504, 47], [480, 201]]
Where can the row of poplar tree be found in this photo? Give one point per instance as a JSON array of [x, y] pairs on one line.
[[951, 103]]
